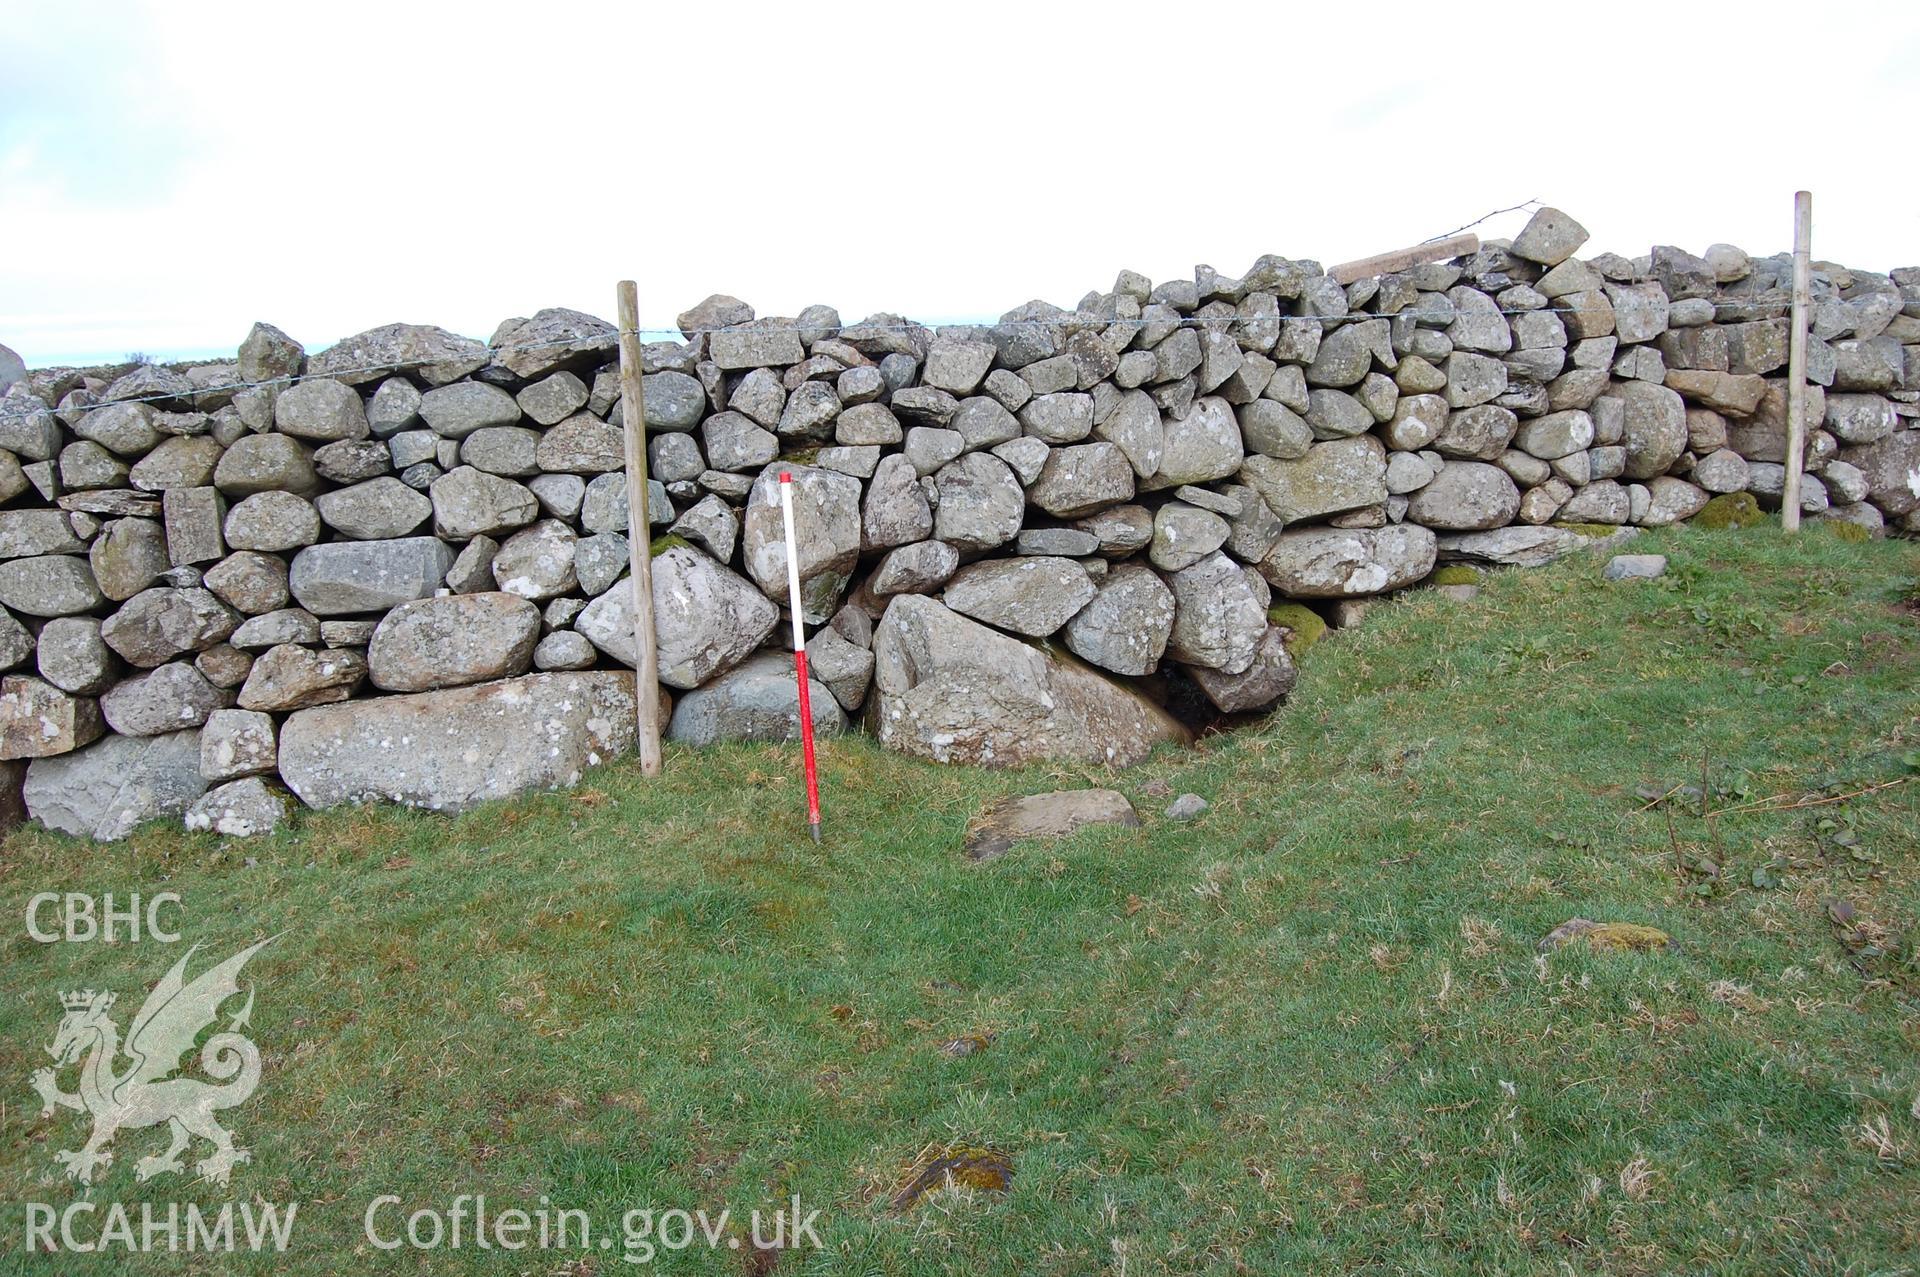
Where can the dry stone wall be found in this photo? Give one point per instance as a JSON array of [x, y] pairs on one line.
[[396, 568]]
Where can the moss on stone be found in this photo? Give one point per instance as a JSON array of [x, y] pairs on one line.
[[1303, 622], [804, 457], [1847, 531], [664, 542], [1730, 510], [1590, 529], [1457, 574]]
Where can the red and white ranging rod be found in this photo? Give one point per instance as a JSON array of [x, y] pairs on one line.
[[800, 655]]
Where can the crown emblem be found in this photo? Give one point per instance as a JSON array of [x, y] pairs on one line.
[[84, 999]]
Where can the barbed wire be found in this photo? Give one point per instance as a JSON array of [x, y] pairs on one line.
[[1523, 204], [857, 331]]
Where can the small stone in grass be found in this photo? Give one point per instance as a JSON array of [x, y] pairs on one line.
[[1636, 567], [1187, 807]]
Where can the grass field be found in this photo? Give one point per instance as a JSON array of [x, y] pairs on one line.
[[1308, 1032]]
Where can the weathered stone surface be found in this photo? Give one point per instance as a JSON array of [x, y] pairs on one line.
[[341, 578], [981, 504], [469, 503], [1033, 595], [756, 700], [537, 562], [845, 667], [1218, 616], [268, 354], [672, 401], [582, 444], [1184, 534], [236, 743], [1655, 427], [953, 690], [29, 532], [1721, 391], [1126, 626], [1204, 446], [49, 585], [707, 619], [275, 521], [1052, 815], [1270, 677], [564, 650], [266, 463], [826, 519], [1892, 469], [1479, 433], [456, 411], [39, 720], [453, 640], [555, 337], [105, 791], [503, 450], [124, 429], [1514, 547], [452, 749], [179, 462], [919, 568], [1339, 563], [289, 678], [244, 808], [270, 629], [1075, 481], [1343, 474], [1555, 435], [167, 699], [553, 399], [1466, 496], [377, 510], [127, 555], [1549, 237], [193, 519], [437, 355], [1134, 426], [1669, 500], [324, 410], [1860, 419], [1723, 470], [761, 343], [1602, 501], [160, 623], [71, 655]]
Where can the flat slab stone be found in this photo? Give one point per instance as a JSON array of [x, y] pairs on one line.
[[1523, 547], [1635, 567], [104, 791], [1048, 815], [341, 578], [453, 749]]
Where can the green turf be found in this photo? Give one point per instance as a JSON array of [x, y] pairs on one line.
[[1308, 1032]]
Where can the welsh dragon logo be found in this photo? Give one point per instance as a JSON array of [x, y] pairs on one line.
[[143, 1094]]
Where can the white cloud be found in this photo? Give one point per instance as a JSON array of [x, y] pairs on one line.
[[332, 168]]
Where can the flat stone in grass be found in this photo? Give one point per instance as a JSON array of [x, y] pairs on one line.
[[1048, 815], [1636, 567]]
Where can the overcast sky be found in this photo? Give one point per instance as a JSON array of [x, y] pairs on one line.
[[171, 173]]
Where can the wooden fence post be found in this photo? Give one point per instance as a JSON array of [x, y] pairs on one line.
[[646, 668]]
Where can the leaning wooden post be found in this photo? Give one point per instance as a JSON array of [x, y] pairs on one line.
[[1797, 360], [633, 413]]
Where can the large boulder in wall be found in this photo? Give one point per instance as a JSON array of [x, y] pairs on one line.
[[826, 526], [955, 691], [105, 790], [452, 749]]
